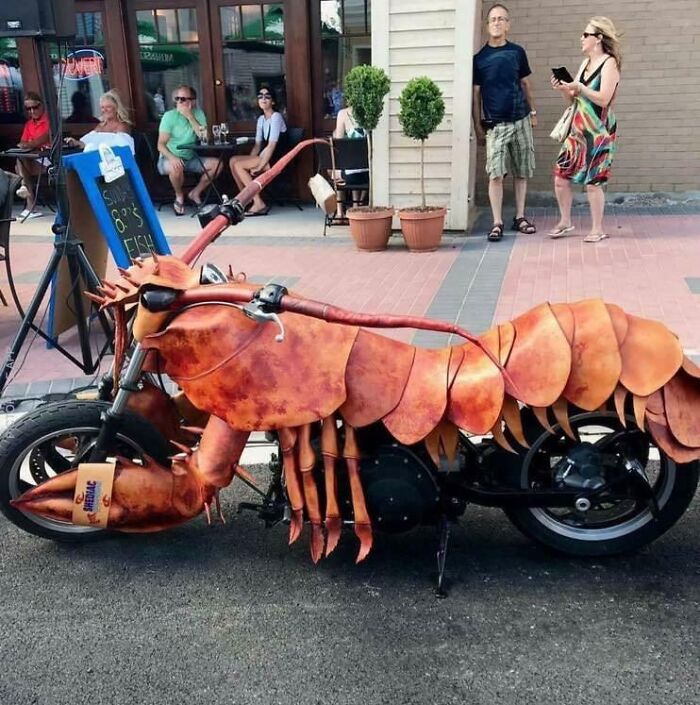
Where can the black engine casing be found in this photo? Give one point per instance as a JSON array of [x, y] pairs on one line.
[[400, 489]]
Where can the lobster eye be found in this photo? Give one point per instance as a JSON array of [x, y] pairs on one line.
[[211, 274], [158, 298]]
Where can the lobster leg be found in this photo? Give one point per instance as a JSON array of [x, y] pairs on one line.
[[363, 527], [329, 450], [307, 460], [288, 441], [220, 449]]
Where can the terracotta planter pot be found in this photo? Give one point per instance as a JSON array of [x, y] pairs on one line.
[[422, 229], [370, 229]]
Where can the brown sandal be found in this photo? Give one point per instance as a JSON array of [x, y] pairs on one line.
[[496, 233], [524, 226]]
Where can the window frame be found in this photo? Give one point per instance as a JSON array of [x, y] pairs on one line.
[[322, 124]]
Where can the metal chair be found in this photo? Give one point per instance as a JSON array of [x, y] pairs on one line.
[[348, 154], [9, 183], [146, 154]]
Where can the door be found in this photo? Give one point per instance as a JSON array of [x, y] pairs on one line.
[[248, 44]]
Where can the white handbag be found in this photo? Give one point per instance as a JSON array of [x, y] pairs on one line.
[[324, 194], [561, 129]]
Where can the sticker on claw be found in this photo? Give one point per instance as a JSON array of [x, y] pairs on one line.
[[93, 494]]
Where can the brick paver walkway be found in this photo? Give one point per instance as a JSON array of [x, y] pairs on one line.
[[650, 266]]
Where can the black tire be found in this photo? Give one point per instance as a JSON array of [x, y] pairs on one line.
[[21, 454], [674, 489]]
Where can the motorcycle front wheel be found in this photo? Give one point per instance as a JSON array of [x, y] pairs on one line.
[[55, 438], [608, 527]]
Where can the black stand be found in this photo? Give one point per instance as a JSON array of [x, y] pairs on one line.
[[66, 246], [444, 529]]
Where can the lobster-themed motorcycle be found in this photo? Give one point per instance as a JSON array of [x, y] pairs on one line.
[[579, 420]]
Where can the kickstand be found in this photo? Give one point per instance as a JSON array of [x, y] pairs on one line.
[[441, 555]]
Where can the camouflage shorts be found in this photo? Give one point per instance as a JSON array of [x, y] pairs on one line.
[[510, 149]]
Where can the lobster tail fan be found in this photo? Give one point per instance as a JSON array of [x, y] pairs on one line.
[[673, 418], [681, 398]]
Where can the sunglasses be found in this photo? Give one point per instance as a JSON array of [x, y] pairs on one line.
[[264, 96], [585, 35], [182, 98], [32, 107]]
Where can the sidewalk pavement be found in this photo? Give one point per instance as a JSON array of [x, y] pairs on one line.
[[650, 266]]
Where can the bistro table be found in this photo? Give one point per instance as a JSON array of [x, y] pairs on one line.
[[222, 152]]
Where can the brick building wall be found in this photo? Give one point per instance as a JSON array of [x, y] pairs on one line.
[[657, 104]]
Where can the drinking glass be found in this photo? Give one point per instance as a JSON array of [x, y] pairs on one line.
[[216, 131], [224, 132], [203, 136]]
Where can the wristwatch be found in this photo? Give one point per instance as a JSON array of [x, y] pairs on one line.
[[533, 113]]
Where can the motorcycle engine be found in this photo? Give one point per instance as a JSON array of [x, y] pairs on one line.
[[400, 491], [583, 468]]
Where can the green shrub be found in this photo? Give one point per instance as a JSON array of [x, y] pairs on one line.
[[422, 110], [365, 88]]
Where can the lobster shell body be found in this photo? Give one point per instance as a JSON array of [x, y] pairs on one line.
[[584, 354], [587, 354]]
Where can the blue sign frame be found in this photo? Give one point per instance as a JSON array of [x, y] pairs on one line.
[[86, 166]]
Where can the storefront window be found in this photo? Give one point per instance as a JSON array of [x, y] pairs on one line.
[[169, 52], [345, 43], [253, 49], [11, 94], [81, 75]]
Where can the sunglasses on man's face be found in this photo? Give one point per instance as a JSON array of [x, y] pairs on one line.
[[264, 96], [182, 98], [32, 107]]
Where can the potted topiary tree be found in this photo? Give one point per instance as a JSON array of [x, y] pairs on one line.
[[422, 110], [365, 88]]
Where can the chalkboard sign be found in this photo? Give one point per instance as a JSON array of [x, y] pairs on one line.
[[116, 217], [127, 216], [122, 208]]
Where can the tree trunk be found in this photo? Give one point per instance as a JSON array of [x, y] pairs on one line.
[[422, 179], [369, 164]]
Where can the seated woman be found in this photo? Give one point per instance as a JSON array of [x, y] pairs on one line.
[[346, 127], [270, 143], [112, 129]]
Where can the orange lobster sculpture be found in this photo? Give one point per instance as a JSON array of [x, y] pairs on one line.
[[331, 369]]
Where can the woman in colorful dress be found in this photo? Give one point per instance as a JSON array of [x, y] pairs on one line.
[[587, 153]]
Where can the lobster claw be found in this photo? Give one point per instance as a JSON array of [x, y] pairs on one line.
[[145, 498]]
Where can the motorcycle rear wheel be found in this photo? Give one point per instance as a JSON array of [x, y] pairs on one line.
[[55, 438], [618, 527]]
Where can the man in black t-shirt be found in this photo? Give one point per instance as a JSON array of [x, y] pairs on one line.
[[502, 91]]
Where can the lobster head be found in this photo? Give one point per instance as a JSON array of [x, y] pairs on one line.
[[166, 272]]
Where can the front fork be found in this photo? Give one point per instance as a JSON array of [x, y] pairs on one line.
[[112, 418]]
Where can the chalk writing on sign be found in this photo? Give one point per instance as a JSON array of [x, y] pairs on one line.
[[127, 217]]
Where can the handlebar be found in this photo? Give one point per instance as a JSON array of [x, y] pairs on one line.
[[231, 213], [284, 302]]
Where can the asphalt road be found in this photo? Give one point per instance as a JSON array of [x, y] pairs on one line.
[[230, 614]]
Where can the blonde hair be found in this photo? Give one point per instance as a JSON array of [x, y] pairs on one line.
[[610, 37], [122, 111]]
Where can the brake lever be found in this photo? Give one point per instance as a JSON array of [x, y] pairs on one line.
[[255, 310]]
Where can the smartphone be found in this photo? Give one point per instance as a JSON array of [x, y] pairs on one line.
[[561, 74]]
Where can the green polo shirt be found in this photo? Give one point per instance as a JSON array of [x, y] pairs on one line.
[[178, 127]]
